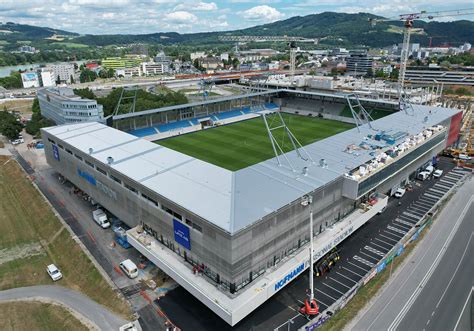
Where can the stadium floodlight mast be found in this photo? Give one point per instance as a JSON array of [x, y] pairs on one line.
[[307, 200]]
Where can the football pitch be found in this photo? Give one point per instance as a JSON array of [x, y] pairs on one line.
[[242, 144]]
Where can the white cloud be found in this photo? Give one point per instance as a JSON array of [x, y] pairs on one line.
[[181, 16], [262, 13]]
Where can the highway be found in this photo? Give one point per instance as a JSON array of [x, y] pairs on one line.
[[432, 290]]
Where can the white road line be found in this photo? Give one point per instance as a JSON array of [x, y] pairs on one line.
[[369, 256], [394, 240], [432, 196], [394, 234], [381, 247], [374, 250], [364, 261], [339, 282], [463, 308], [325, 294], [392, 228], [430, 271], [346, 277], [402, 224], [332, 288], [455, 271], [355, 273], [386, 243], [355, 265]]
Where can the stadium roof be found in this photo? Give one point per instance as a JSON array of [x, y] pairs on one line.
[[234, 200], [242, 96]]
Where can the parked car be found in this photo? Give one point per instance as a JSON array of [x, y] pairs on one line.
[[382, 210], [129, 268], [423, 175], [400, 192], [464, 157], [437, 173], [54, 272], [101, 218]]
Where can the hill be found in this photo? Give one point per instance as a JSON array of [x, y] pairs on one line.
[[333, 29]]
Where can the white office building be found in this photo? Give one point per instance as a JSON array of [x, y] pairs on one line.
[[155, 68], [65, 71], [62, 106]]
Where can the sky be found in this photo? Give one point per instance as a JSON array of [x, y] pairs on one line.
[[149, 16]]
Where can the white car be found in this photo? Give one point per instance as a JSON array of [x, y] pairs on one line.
[[129, 268], [400, 192], [54, 272], [437, 173], [464, 157]]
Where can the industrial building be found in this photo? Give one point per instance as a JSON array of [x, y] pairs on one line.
[[235, 238], [62, 106]]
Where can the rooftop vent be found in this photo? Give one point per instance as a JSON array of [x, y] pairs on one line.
[[110, 160], [305, 171], [91, 150]]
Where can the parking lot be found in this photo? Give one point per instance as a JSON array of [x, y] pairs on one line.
[[359, 253]]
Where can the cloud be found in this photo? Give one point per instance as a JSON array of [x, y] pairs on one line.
[[262, 13], [199, 6], [181, 16]]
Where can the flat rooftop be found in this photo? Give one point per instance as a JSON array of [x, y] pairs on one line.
[[234, 200]]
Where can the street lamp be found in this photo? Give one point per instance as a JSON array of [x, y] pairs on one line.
[[308, 201]]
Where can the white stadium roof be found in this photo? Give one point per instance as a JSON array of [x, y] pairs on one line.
[[227, 199]]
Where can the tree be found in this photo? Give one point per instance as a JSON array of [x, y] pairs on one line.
[[58, 80], [10, 125], [12, 81], [87, 76], [72, 79]]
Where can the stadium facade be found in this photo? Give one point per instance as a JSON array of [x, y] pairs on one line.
[[235, 238]]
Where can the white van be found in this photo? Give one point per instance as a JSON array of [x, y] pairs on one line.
[[423, 175], [129, 268], [101, 218]]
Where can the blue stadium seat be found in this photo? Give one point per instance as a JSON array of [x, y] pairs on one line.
[[174, 126], [270, 105], [143, 132], [228, 114]]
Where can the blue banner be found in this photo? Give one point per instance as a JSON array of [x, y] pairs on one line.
[[381, 266], [56, 152], [181, 234], [87, 176]]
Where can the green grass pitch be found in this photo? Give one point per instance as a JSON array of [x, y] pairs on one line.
[[242, 144]]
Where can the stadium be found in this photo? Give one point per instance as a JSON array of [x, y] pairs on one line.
[[214, 190]]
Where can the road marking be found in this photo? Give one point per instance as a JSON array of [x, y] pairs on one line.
[[364, 261], [421, 208], [402, 224], [339, 282], [355, 273], [91, 236], [395, 241], [396, 235], [369, 256], [332, 288], [392, 228], [415, 217], [355, 265], [373, 250], [463, 308], [386, 243], [432, 196], [455, 271], [381, 247], [346, 277], [325, 294], [430, 271]]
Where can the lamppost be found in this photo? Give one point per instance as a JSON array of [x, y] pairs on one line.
[[308, 201]]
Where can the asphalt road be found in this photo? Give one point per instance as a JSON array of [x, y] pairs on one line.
[[94, 313], [440, 303], [429, 291]]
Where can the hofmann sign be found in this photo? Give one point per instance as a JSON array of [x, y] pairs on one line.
[[295, 272]]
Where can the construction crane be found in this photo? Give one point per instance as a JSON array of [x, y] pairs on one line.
[[288, 39], [408, 25]]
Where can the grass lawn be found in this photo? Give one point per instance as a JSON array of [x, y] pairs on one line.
[[27, 220], [23, 106], [374, 112], [27, 316], [245, 143]]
